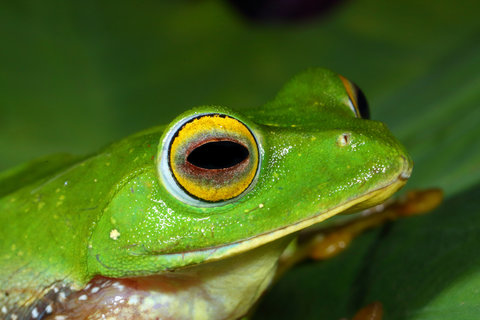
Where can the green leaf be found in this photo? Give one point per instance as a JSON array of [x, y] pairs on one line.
[[77, 75]]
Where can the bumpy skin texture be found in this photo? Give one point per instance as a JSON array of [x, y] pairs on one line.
[[66, 220]]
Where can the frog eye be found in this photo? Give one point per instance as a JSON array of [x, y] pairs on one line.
[[209, 158], [357, 101]]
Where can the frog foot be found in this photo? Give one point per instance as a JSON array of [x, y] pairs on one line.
[[373, 311], [321, 244], [338, 238]]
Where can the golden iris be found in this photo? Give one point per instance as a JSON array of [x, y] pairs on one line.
[[213, 157]]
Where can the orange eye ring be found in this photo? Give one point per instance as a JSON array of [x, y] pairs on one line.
[[212, 158], [357, 100]]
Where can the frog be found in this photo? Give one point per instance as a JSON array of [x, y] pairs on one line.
[[191, 220]]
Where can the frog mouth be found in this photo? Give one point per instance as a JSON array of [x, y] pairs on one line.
[[179, 260], [367, 200]]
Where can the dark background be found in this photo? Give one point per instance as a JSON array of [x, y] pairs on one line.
[[75, 76]]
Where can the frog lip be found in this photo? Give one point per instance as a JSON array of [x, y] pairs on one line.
[[369, 199], [373, 197]]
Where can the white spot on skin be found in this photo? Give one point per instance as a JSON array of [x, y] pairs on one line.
[[34, 313], [117, 298], [49, 309], [83, 297], [133, 300], [14, 317], [60, 317], [94, 289], [118, 286], [114, 234], [284, 151], [4, 310], [61, 296]]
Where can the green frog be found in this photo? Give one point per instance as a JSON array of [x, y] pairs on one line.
[[189, 220]]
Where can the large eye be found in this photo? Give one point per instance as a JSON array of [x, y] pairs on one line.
[[358, 103], [211, 158]]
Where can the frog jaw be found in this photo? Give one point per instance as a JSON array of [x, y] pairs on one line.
[[367, 200], [200, 292]]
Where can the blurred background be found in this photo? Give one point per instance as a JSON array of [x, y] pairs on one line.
[[76, 75]]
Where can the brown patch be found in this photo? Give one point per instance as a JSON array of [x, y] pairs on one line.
[[119, 298], [41, 307]]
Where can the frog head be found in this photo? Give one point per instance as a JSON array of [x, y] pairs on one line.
[[222, 182]]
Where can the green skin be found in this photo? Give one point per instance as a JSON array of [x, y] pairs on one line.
[[66, 219]]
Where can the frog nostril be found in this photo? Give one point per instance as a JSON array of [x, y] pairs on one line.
[[344, 139]]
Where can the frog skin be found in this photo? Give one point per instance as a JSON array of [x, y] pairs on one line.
[[188, 220]]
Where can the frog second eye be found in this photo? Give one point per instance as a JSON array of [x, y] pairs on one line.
[[357, 100], [211, 158]]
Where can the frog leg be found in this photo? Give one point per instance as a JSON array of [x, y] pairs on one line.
[[373, 311], [321, 244]]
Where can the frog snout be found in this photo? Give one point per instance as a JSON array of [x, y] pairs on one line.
[[406, 168]]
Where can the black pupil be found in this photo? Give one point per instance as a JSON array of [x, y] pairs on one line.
[[218, 155], [362, 104]]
